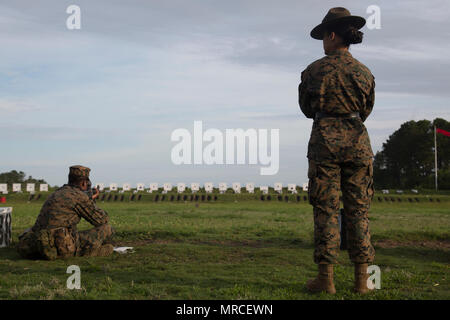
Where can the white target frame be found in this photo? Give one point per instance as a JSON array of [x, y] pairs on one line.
[[181, 187], [209, 187], [195, 187], [278, 187], [167, 187], [153, 186], [292, 187], [30, 187], [305, 186], [223, 187]]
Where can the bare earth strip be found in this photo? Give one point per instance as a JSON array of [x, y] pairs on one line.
[[432, 244]]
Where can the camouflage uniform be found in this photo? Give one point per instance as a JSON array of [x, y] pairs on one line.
[[339, 153], [55, 235]]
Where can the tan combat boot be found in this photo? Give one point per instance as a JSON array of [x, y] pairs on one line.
[[105, 250], [102, 251], [361, 277], [323, 281]]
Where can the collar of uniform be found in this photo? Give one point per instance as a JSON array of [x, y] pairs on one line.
[[73, 186], [340, 52]]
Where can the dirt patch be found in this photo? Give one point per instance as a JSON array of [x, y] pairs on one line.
[[226, 243], [230, 243], [143, 242], [384, 244], [433, 244]]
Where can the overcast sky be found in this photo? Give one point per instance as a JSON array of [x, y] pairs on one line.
[[108, 96]]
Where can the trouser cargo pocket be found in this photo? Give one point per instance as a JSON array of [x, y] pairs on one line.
[[64, 242], [46, 244], [312, 183]]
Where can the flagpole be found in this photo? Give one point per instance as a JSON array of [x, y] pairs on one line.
[[435, 160]]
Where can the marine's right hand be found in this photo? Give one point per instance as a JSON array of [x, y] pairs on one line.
[[96, 194]]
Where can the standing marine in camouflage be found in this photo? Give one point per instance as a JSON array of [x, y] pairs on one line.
[[337, 91], [55, 235]]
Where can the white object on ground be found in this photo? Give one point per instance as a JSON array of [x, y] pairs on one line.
[[123, 249], [5, 226]]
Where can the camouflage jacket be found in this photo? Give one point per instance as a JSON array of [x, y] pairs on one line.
[[337, 84], [65, 207]]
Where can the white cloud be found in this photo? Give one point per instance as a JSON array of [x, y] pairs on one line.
[[413, 52], [17, 105]]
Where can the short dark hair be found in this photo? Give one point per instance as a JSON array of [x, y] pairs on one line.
[[348, 33], [76, 179]]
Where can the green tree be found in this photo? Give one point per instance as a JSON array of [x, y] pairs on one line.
[[14, 176], [443, 144], [407, 157]]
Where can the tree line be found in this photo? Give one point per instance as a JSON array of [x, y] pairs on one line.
[[406, 160], [14, 176]]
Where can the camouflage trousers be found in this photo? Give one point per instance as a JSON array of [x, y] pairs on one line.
[[54, 243], [326, 180]]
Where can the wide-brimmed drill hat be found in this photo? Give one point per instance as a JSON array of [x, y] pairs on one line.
[[337, 16], [79, 171]]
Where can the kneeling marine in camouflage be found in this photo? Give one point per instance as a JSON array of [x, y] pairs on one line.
[[55, 234]]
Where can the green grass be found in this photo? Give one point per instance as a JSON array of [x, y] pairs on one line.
[[229, 250]]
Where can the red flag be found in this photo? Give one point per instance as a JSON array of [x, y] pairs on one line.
[[445, 133]]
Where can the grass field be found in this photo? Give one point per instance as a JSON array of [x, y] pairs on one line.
[[235, 250]]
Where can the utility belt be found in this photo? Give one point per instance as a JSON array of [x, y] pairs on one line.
[[320, 115]]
